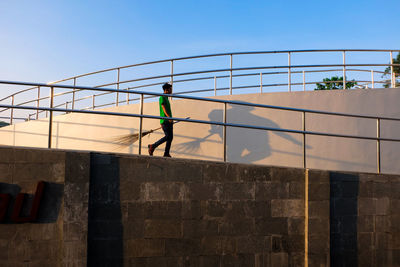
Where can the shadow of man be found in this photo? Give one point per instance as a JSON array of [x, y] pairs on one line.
[[243, 145]]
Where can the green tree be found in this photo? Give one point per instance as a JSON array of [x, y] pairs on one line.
[[334, 83], [396, 70]]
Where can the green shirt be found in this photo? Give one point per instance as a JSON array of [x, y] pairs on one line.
[[164, 101]]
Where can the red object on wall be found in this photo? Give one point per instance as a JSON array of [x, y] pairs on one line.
[[19, 201]]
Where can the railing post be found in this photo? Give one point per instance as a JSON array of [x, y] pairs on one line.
[[289, 74], [224, 132], [215, 85], [93, 104], [230, 84], [304, 140], [391, 70], [304, 80], [372, 79], [140, 124], [117, 100], [51, 116], [261, 83], [66, 106], [172, 73], [73, 94], [378, 145], [12, 110], [344, 69], [127, 96], [37, 104]]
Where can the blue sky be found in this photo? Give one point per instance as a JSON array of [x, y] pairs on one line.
[[48, 40]]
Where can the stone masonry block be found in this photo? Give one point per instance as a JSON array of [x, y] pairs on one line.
[[236, 227], [318, 192], [136, 210], [237, 260], [216, 208], [319, 209], [365, 223], [295, 226], [75, 231], [144, 248], [318, 177], [183, 171], [193, 209], [77, 167], [296, 190], [162, 229], [279, 174], [7, 154], [163, 210], [280, 259], [367, 206], [6, 173], [129, 191], [134, 229], [76, 192], [23, 155], [251, 244], [200, 228], [220, 172], [270, 226], [205, 191], [272, 190], [318, 225], [163, 191], [252, 173], [42, 250], [383, 206], [287, 207], [382, 223], [258, 209], [34, 172], [182, 247], [395, 187], [47, 231]]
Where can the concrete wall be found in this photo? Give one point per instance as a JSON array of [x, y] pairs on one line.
[[121, 210], [199, 141]]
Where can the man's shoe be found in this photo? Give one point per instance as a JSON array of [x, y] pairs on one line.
[[151, 149], [167, 156]]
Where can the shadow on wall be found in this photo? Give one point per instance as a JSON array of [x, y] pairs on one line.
[[105, 230], [243, 145], [344, 190], [49, 206]]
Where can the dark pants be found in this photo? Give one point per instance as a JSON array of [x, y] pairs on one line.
[[169, 135]]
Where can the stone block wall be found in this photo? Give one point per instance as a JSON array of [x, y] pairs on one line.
[[122, 210], [193, 213], [40, 243]]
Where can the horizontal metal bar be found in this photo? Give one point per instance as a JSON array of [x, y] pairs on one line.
[[200, 121]]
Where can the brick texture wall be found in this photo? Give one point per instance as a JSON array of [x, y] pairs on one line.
[[121, 210]]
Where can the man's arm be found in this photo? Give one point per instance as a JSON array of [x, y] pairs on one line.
[[165, 112]]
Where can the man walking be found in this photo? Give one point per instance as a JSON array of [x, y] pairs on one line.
[[166, 124]]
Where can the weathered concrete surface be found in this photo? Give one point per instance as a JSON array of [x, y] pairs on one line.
[[125, 210]]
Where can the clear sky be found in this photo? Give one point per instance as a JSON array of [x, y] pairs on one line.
[[45, 40]]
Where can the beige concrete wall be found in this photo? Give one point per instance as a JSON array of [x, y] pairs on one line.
[[199, 141]]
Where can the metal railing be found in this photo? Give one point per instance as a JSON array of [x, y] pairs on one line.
[[224, 124], [221, 79]]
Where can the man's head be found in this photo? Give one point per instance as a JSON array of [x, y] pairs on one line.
[[167, 87]]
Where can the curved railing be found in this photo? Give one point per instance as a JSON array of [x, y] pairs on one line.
[[214, 74]]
